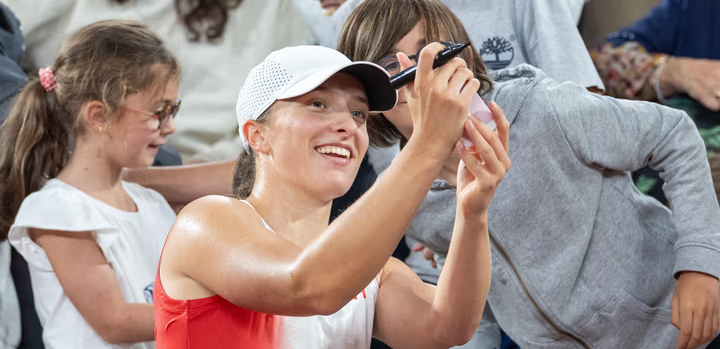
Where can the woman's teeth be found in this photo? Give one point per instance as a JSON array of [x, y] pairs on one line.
[[337, 151]]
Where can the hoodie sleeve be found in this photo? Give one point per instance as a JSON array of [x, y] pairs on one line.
[[621, 135]]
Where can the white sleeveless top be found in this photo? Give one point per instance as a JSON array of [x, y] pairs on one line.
[[349, 328], [131, 242]]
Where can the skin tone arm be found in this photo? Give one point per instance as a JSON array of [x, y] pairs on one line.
[[320, 278], [89, 282], [182, 184], [412, 314]]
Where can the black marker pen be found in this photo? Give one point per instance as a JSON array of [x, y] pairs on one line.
[[400, 79]]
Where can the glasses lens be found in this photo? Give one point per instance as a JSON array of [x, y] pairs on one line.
[[167, 112], [390, 64]]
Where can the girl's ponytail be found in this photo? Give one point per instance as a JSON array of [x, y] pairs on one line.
[[33, 148]]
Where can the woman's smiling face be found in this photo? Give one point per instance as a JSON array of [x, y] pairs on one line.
[[318, 140]]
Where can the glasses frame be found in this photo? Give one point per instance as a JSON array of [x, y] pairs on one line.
[[393, 58], [163, 115]]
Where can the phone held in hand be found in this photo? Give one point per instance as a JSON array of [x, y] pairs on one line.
[[479, 110]]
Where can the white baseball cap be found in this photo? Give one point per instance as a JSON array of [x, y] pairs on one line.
[[295, 71]]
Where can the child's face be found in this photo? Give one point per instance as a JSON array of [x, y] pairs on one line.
[[409, 45], [137, 134]]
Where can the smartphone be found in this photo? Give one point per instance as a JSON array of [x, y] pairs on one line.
[[479, 110]]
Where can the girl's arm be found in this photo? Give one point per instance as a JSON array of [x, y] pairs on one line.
[[411, 314], [89, 282]]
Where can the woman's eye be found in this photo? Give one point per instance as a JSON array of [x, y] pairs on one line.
[[318, 105], [360, 115]]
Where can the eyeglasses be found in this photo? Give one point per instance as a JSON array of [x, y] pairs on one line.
[[391, 64], [167, 111]]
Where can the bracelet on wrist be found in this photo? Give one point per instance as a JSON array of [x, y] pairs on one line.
[[656, 80]]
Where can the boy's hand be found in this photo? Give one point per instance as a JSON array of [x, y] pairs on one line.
[[695, 308]]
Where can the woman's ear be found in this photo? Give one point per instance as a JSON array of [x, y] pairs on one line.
[[255, 133], [95, 115]]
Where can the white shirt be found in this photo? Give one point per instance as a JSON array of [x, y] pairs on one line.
[[351, 327], [130, 241], [212, 73]]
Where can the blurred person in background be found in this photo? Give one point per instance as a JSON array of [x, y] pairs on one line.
[[671, 56], [217, 41]]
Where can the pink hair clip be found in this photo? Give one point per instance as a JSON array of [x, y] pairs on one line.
[[47, 79]]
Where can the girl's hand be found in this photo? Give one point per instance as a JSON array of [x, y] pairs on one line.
[[439, 99], [482, 165]]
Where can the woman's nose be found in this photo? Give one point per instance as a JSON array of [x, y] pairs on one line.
[[344, 122]]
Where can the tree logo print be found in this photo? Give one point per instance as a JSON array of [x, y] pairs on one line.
[[497, 53]]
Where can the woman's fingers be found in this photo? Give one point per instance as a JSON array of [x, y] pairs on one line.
[[405, 63], [444, 74], [493, 139], [482, 146], [459, 79], [426, 60], [470, 89]]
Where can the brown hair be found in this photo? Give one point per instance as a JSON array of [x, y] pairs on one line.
[[372, 30], [104, 61], [203, 18], [244, 176]]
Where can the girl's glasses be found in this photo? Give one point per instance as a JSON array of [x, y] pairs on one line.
[[167, 111], [391, 64]]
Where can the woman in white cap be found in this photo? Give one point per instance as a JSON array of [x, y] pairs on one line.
[[268, 271]]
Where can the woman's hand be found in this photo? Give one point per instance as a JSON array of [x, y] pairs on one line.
[[482, 165], [439, 99]]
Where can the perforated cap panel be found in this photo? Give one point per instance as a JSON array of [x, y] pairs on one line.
[[261, 88]]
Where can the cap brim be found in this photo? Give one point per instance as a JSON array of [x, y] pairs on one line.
[[381, 95]]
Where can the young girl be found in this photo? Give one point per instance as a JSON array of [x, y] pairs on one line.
[[91, 240], [580, 258], [268, 272]]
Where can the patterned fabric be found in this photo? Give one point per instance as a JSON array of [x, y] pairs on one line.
[[626, 70]]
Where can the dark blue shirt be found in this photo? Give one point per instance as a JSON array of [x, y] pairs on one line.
[[12, 78], [682, 28]]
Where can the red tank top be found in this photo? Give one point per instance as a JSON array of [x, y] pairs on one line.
[[214, 322], [211, 322]]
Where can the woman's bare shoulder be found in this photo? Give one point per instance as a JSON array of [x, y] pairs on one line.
[[216, 216]]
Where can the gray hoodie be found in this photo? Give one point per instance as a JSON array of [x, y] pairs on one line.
[[581, 259]]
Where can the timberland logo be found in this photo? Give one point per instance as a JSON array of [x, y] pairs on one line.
[[497, 52]]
